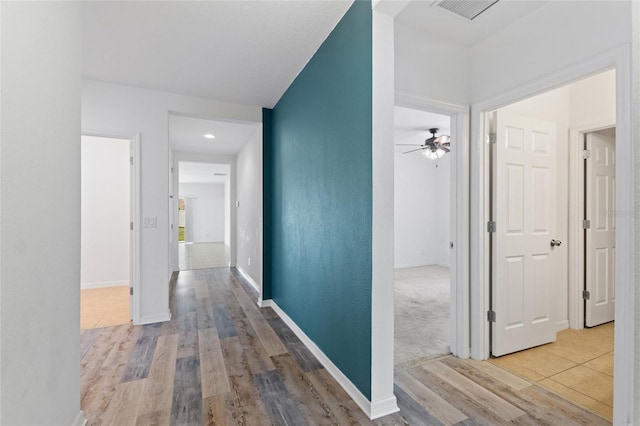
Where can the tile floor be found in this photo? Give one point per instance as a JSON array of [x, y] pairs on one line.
[[202, 255], [578, 366], [104, 307]]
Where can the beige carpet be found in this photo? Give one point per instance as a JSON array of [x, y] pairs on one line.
[[104, 307], [422, 310]]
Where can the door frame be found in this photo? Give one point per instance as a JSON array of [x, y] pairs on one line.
[[459, 281], [620, 60], [576, 215], [134, 187]]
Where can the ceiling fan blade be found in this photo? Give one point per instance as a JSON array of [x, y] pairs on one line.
[[445, 149], [408, 144], [414, 150]]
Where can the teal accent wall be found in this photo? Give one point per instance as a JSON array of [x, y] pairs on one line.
[[317, 154]]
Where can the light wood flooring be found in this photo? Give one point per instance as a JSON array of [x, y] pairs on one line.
[[104, 307], [578, 366], [222, 360]]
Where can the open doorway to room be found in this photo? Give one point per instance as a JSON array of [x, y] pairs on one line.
[[552, 233], [422, 187], [106, 225], [203, 215]]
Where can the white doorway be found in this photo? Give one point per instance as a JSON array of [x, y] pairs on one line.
[[552, 186], [422, 237], [108, 240], [204, 215]]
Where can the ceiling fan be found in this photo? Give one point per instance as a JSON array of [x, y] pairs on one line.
[[433, 147]]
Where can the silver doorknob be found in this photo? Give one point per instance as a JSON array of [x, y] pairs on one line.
[[555, 243]]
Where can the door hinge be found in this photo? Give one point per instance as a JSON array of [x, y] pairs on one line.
[[491, 316], [131, 160], [130, 291], [131, 226], [586, 224], [586, 154], [492, 138], [491, 226], [586, 294]]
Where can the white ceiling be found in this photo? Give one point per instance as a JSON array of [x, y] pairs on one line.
[[412, 126], [186, 134], [434, 20], [202, 173], [238, 51]]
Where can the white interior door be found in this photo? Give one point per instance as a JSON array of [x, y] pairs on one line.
[[524, 271], [601, 235]]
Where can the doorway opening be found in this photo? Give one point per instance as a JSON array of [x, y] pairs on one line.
[[552, 240], [106, 231], [204, 215], [422, 188]]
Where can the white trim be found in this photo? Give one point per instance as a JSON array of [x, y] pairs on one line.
[[105, 284], [151, 319], [80, 419], [248, 278], [459, 265], [576, 215], [624, 350], [379, 409], [562, 325]]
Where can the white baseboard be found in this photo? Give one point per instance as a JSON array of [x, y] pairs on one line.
[[373, 410], [85, 286], [562, 325], [80, 420], [151, 319], [248, 278]]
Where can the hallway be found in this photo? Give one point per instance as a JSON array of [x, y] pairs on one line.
[[223, 360]]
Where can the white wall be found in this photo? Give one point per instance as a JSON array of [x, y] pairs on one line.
[[549, 39], [417, 69], [249, 212], [443, 219], [206, 211], [40, 213], [414, 211], [593, 100], [126, 111], [105, 234]]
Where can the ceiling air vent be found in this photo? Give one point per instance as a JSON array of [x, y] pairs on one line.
[[219, 174], [469, 9]]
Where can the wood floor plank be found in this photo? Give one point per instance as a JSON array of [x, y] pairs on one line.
[[302, 390], [435, 405], [158, 418], [186, 408], [142, 356], [294, 346], [541, 405], [413, 412], [337, 399], [249, 306], [123, 409], [281, 407], [213, 371], [245, 403], [467, 405], [499, 406], [202, 291], [87, 339], [204, 314], [509, 379], [158, 393], [188, 345], [214, 411], [224, 323], [98, 390], [257, 356]]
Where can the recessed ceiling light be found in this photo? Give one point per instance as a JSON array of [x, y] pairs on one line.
[[209, 136]]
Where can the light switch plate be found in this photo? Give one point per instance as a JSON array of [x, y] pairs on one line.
[[150, 222]]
